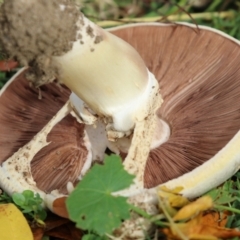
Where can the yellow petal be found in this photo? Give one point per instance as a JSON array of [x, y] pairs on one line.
[[174, 199], [13, 225], [174, 190], [192, 209]]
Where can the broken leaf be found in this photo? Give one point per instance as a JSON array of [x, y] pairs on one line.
[[13, 225]]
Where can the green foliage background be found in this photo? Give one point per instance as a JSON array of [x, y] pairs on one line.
[[221, 14]]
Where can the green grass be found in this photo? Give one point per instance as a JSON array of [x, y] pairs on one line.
[[164, 11]]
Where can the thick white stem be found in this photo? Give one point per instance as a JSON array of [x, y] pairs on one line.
[[105, 72], [109, 76]]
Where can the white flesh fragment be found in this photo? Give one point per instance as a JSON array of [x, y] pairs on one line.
[[94, 127], [161, 133], [98, 138], [80, 110], [145, 124], [15, 172], [89, 157]]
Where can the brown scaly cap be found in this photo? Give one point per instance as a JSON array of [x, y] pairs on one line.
[[199, 76], [22, 115], [34, 31]]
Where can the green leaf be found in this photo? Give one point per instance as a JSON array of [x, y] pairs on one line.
[[27, 210], [30, 204], [4, 198], [45, 238], [18, 199], [28, 194], [214, 193], [41, 214], [92, 206], [222, 195]]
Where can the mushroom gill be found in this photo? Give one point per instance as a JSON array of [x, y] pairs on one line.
[[22, 115], [199, 75]]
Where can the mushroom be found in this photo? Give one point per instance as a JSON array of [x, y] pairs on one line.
[[198, 71], [71, 48]]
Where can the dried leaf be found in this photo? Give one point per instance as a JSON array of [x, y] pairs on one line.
[[68, 232], [217, 219], [54, 221], [174, 199], [194, 208], [13, 225], [7, 65], [38, 233], [59, 207], [59, 227], [208, 226]]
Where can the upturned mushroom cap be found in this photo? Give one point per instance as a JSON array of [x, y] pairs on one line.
[[198, 70], [23, 115]]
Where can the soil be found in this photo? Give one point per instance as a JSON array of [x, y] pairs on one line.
[[34, 31]]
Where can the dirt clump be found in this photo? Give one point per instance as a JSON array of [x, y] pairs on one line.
[[33, 31]]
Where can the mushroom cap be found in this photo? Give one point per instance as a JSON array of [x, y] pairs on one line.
[[198, 70], [23, 115]]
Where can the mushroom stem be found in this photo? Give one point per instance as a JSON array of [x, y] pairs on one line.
[[102, 70], [108, 75]]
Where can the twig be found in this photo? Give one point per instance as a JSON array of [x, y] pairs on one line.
[[177, 17]]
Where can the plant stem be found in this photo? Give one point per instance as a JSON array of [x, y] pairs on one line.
[[176, 17], [234, 210], [172, 224], [151, 218]]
